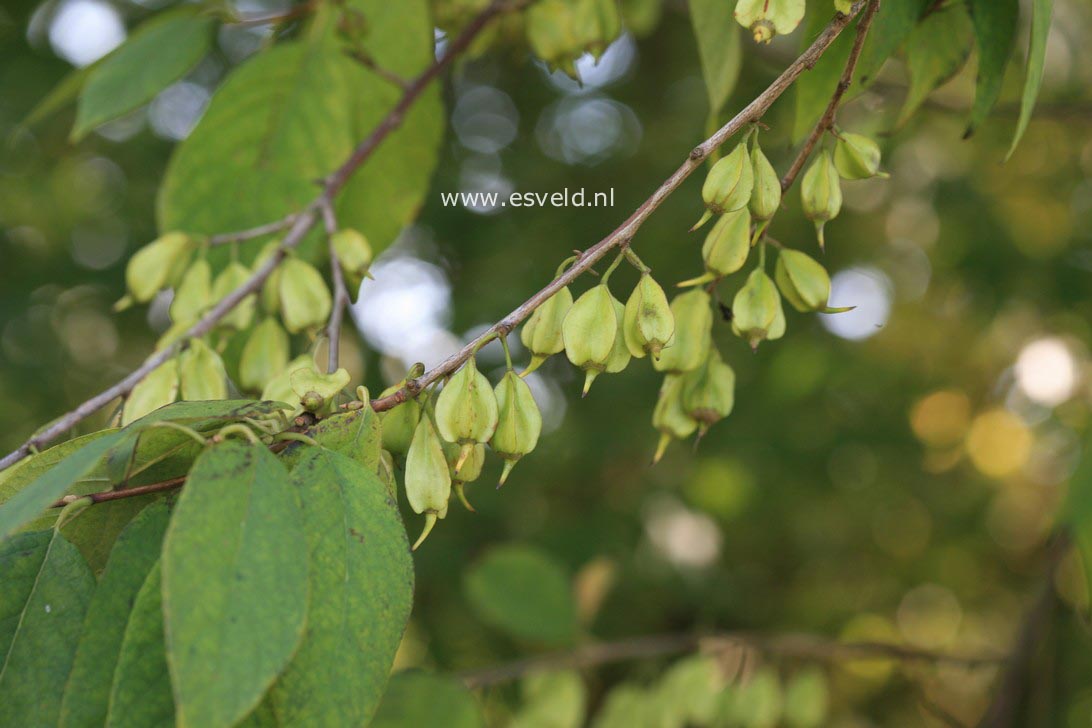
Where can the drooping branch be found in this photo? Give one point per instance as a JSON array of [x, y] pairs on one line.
[[624, 233], [826, 121], [798, 646], [297, 224]]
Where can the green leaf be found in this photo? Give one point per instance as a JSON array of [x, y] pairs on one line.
[[361, 578], [157, 54], [995, 30], [61, 95], [556, 699], [415, 699], [719, 46], [22, 474], [37, 495], [87, 694], [140, 696], [894, 22], [1041, 12], [525, 592], [292, 114], [357, 435], [235, 588], [935, 52], [46, 590]]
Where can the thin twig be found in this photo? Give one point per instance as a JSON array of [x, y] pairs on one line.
[[384, 73], [341, 294], [255, 232], [798, 646], [277, 18], [625, 232], [826, 121], [298, 224]]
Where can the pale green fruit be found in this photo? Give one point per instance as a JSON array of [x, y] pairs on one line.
[[354, 253], [857, 157], [317, 390], [154, 266], [590, 328], [279, 388], [265, 354], [201, 373], [804, 283], [687, 349], [519, 423], [648, 323], [305, 299], [768, 18], [619, 356], [194, 292], [156, 390], [766, 196], [728, 185], [428, 479], [821, 193], [598, 22], [708, 392], [542, 333], [231, 277], [466, 410], [553, 35], [669, 416], [756, 310], [399, 423]]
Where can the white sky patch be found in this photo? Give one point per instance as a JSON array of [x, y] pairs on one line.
[[870, 291], [83, 31], [1047, 371]]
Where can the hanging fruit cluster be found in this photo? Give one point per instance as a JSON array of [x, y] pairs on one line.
[[294, 301], [560, 31]]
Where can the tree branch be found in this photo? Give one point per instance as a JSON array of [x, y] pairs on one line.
[[341, 295], [826, 121], [298, 225], [799, 646], [625, 232]]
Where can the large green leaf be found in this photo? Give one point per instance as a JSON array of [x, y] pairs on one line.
[[140, 696], [994, 31], [235, 587], [292, 114], [157, 54], [935, 51], [43, 600], [38, 494], [362, 591], [718, 36], [87, 694], [415, 699], [1041, 12], [22, 474], [525, 592]]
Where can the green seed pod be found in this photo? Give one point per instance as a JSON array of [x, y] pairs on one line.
[[648, 323], [670, 417], [355, 256], [857, 157], [305, 300], [766, 196], [728, 185], [471, 469], [767, 18], [152, 267], [230, 278], [201, 373], [316, 390], [271, 289], [726, 247], [708, 392], [693, 333], [466, 410], [619, 356], [756, 310], [803, 282], [156, 390], [279, 388], [194, 292], [428, 480], [542, 334], [590, 328], [519, 423], [264, 354], [598, 22], [552, 34], [400, 422], [821, 193], [845, 7]]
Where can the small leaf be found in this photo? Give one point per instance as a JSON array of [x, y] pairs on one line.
[[935, 52], [46, 590], [719, 46], [994, 30], [414, 699], [556, 699], [157, 54], [37, 495], [235, 587], [141, 692], [87, 694], [1041, 12], [361, 578], [357, 435], [525, 592]]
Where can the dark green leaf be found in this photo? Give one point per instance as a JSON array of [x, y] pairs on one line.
[[415, 699], [1041, 12], [718, 36], [87, 694], [292, 114], [894, 22], [140, 696], [235, 588], [362, 590], [159, 53], [525, 592], [357, 435], [22, 474], [45, 593], [994, 30], [935, 52], [34, 498]]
